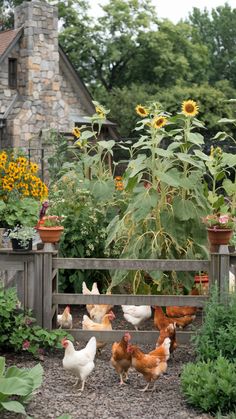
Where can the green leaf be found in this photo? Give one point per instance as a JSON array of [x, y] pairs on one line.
[[183, 210], [65, 416], [202, 155], [226, 121], [18, 386], [2, 365], [85, 135], [14, 406], [36, 374], [220, 136], [196, 138], [106, 145]]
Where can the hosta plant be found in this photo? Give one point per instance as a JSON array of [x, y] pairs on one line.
[[17, 386]]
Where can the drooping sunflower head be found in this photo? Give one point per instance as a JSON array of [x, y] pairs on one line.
[[159, 122], [141, 111], [190, 108], [76, 132]]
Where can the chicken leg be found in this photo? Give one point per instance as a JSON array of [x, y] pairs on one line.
[[145, 388]]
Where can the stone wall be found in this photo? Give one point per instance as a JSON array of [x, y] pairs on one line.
[[6, 94]]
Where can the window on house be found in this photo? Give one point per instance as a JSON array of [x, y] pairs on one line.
[[12, 73]]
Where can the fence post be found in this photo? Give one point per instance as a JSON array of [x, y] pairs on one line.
[[48, 277], [219, 271]]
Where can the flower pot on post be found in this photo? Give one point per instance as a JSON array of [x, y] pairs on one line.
[[218, 236], [50, 234]]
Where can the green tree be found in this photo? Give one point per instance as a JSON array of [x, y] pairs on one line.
[[217, 30]]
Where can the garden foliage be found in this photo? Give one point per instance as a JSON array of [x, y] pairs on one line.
[[211, 385], [17, 386], [18, 329]]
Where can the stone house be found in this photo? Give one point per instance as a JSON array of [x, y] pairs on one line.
[[39, 88]]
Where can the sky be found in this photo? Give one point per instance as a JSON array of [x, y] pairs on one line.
[[174, 10]]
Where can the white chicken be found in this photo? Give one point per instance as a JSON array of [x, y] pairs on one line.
[[65, 319], [86, 291], [136, 315], [79, 363]]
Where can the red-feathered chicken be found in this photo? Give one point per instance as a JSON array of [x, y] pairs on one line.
[[121, 359], [150, 366], [176, 311], [168, 332], [161, 321]]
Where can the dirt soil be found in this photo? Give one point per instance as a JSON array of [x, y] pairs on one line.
[[103, 397]]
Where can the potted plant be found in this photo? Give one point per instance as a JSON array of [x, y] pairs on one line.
[[21, 237], [50, 231], [219, 228]]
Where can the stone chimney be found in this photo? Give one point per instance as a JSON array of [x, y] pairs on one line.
[[39, 80]]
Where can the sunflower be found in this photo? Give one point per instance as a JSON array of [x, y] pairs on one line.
[[142, 111], [100, 111], [159, 122], [190, 108], [76, 132]]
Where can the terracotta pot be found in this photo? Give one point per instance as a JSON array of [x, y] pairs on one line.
[[202, 283], [50, 234], [219, 235]]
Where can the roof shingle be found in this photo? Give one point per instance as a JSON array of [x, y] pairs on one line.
[[6, 38]]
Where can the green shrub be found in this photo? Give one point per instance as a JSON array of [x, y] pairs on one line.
[[18, 329], [210, 385], [17, 386], [217, 335]]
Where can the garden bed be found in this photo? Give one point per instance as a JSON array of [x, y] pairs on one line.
[[103, 397]]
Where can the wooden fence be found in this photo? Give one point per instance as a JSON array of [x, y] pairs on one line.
[[35, 275]]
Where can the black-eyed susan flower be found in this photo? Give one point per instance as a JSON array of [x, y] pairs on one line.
[[76, 132], [159, 122], [190, 108], [142, 111], [100, 111]]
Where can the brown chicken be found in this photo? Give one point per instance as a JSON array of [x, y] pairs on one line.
[[161, 321], [176, 311], [65, 319], [150, 366], [88, 324], [121, 359], [168, 332], [98, 311]]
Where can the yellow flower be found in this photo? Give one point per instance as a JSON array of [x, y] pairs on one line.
[[3, 156], [190, 108], [34, 167], [159, 122], [142, 111], [76, 132]]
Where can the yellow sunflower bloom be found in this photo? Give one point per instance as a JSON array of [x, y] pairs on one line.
[[159, 122], [76, 132], [141, 111], [190, 108]]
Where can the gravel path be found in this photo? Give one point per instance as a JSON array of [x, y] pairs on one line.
[[103, 398]]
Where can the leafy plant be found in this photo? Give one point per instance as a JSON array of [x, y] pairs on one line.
[[210, 385], [218, 332], [18, 329], [17, 386], [23, 234]]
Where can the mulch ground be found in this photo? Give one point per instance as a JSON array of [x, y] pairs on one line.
[[103, 397]]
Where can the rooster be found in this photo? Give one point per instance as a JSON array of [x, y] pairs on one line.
[[175, 311], [65, 320], [136, 315], [161, 321], [86, 291], [149, 365], [88, 324], [121, 359], [79, 363]]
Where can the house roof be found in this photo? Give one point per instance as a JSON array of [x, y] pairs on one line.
[[7, 40]]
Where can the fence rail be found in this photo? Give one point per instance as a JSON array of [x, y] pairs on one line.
[[37, 285]]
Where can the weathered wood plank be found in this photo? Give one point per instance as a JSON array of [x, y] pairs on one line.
[[38, 288], [136, 336], [123, 299], [11, 265], [47, 291], [132, 264]]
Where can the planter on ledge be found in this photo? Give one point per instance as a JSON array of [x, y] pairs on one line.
[[50, 234]]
